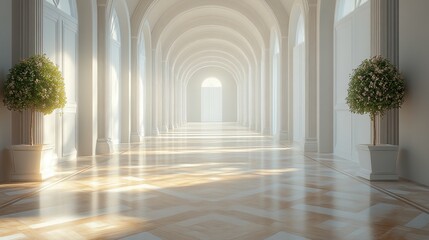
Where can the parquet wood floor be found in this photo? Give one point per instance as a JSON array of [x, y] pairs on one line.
[[213, 181]]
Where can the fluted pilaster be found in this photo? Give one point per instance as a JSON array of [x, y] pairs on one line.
[[28, 19], [385, 42], [311, 144], [104, 142]]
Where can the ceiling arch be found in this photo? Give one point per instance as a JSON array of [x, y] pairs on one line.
[[235, 35], [211, 15], [208, 28], [200, 57], [238, 44], [198, 68], [215, 45]]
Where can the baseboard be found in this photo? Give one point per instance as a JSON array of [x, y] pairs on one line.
[[377, 176]]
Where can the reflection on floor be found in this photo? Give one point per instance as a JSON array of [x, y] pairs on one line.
[[217, 181]]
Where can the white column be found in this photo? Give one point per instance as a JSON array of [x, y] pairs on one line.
[[311, 144], [173, 105], [178, 103], [251, 100], [126, 93], [385, 42], [135, 132], [245, 92], [165, 97], [325, 75], [155, 102], [104, 142], [148, 92], [257, 102], [284, 92], [266, 93], [184, 104], [87, 83], [239, 112]]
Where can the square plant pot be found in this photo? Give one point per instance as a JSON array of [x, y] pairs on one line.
[[32, 162], [378, 162]]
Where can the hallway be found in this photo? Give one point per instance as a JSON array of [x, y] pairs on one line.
[[205, 181]]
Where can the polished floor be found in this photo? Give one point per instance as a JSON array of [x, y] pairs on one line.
[[212, 181]]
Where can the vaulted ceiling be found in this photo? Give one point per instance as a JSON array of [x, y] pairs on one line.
[[234, 35]]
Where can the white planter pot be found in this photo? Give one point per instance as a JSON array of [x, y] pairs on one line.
[[32, 163], [378, 162]]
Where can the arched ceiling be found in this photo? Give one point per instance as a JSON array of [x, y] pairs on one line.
[[190, 35]]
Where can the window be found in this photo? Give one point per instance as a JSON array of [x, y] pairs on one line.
[[211, 83], [64, 5], [300, 31], [114, 28], [345, 7]]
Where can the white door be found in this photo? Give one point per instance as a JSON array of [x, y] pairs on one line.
[[60, 45], [352, 45]]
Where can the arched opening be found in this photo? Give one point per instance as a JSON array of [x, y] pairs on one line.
[[299, 82], [114, 86], [211, 100]]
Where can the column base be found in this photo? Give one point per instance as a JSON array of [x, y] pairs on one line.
[[310, 145], [266, 131], [283, 136], [135, 138], [104, 146], [155, 132], [164, 129]]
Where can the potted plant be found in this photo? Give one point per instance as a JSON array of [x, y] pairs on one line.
[[375, 87], [35, 84]]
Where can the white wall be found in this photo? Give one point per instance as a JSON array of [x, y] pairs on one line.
[[5, 64], [229, 95], [414, 114]]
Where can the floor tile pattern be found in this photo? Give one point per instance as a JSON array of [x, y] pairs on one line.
[[213, 181]]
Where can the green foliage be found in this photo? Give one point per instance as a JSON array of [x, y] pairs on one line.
[[34, 83], [375, 87]]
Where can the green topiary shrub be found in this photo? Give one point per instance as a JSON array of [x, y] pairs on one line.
[[35, 84], [375, 87]]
